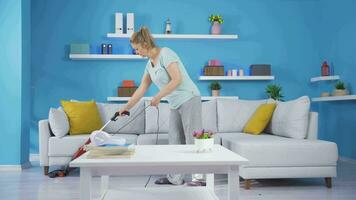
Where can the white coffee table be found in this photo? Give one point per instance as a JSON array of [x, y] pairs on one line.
[[162, 159]]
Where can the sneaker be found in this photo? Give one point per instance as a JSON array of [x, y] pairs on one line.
[[196, 183], [57, 173], [162, 181]]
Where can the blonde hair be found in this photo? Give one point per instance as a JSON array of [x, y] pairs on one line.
[[143, 37]]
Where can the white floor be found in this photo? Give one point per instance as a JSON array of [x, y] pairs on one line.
[[32, 184]]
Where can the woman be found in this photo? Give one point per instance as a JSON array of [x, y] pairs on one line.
[[167, 72]]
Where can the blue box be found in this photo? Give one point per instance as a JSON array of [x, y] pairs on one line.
[[79, 49]]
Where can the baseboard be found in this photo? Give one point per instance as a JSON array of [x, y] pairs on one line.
[[349, 160], [34, 157], [15, 167], [10, 168]]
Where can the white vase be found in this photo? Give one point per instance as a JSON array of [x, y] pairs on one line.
[[215, 93], [204, 145], [340, 92], [216, 28]]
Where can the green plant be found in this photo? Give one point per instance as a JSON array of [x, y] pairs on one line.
[[215, 85], [275, 92], [216, 18], [340, 85]]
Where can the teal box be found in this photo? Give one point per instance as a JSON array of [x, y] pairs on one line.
[[79, 49]]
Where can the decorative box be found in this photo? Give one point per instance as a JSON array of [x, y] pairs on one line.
[[260, 70], [128, 83], [126, 91], [214, 71], [79, 48], [214, 63]]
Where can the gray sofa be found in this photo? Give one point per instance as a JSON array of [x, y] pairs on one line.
[[270, 155]]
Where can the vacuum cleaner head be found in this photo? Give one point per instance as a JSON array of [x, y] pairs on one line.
[[100, 138]]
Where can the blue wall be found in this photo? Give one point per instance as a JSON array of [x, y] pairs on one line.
[[26, 79], [14, 81], [338, 45], [278, 32], [294, 36]]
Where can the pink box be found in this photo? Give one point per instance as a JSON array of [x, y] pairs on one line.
[[214, 63]]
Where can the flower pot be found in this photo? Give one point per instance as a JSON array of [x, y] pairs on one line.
[[338, 92], [215, 93], [216, 28], [204, 145], [325, 94]]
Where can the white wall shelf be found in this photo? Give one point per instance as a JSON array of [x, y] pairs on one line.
[[204, 98], [324, 78], [105, 57], [335, 98], [236, 78], [179, 36]]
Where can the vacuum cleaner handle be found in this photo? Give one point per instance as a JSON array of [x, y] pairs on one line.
[[114, 118]]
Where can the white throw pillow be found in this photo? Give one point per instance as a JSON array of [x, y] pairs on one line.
[[151, 118], [290, 118], [135, 126], [234, 114], [58, 122], [209, 116]]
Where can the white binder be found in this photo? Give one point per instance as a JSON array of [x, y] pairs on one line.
[[119, 23], [130, 24]]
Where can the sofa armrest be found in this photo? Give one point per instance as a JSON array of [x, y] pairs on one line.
[[44, 135], [312, 132]]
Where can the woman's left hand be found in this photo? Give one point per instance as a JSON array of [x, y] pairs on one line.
[[155, 101]]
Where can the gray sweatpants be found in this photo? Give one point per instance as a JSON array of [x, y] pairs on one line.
[[183, 121]]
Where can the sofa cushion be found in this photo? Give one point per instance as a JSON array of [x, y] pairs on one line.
[[260, 119], [151, 118], [136, 126], [83, 116], [68, 145], [209, 115], [58, 122], [290, 118], [233, 114], [147, 139], [275, 151]]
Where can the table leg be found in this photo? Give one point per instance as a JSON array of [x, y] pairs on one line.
[[233, 183], [210, 182], [85, 184], [104, 184]]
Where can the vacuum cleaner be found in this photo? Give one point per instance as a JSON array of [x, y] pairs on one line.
[[102, 138]]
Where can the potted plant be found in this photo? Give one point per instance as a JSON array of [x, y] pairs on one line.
[[215, 88], [216, 21], [203, 140], [340, 89], [275, 92]]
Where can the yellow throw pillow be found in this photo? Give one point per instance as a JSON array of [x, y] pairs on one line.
[[259, 120], [83, 117]]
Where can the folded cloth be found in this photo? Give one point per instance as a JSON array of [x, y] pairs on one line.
[[109, 151]]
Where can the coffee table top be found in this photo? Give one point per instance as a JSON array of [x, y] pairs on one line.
[[166, 155]]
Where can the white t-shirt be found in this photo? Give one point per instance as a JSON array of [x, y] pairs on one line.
[[160, 77]]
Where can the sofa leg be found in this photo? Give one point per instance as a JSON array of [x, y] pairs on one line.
[[45, 170], [328, 182], [247, 184]]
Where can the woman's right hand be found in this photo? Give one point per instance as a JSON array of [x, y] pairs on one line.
[[123, 112]]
